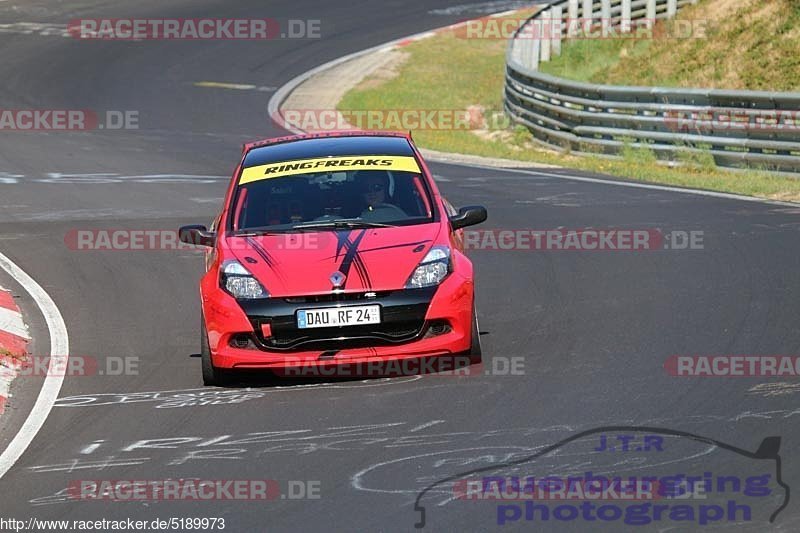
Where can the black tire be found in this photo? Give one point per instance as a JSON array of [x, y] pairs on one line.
[[475, 350], [212, 375]]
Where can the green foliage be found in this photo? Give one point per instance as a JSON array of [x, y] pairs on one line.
[[639, 155], [754, 45]]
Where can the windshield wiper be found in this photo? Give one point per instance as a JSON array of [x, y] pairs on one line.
[[258, 232], [341, 224]]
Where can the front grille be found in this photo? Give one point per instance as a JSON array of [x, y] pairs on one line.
[[332, 338], [402, 320], [339, 297]]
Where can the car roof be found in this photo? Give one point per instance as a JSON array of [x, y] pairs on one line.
[[324, 145]]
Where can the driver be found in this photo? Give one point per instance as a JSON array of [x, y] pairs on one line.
[[374, 188], [377, 202]]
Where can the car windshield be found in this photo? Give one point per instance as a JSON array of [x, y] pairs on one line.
[[284, 197]]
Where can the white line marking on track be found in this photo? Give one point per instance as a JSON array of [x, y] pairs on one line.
[[665, 188], [59, 350], [358, 482], [233, 86], [28, 28], [774, 389], [76, 464], [92, 447], [503, 14], [426, 425]]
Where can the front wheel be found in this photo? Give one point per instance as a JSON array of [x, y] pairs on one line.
[[212, 375]]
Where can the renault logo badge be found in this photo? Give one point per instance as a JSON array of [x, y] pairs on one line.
[[337, 278]]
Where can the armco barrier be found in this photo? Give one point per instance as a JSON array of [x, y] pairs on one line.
[[738, 128]]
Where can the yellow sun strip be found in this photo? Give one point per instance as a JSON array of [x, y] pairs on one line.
[[306, 166]]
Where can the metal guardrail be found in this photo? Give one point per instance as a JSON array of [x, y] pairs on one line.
[[738, 128]]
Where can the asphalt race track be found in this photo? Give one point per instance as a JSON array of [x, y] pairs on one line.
[[593, 329]]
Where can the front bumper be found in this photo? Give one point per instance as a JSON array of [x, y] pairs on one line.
[[414, 323]]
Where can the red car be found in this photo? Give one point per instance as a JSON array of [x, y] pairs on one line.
[[334, 249]]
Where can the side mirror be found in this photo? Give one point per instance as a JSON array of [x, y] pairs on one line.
[[468, 216], [197, 235]]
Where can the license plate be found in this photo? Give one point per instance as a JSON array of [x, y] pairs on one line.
[[330, 317]]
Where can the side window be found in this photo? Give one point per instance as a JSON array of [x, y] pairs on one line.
[[239, 209], [421, 198]]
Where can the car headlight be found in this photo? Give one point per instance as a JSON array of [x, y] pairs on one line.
[[240, 283], [433, 268]]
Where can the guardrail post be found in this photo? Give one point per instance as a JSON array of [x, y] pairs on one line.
[[517, 53], [529, 41], [605, 16], [651, 13], [588, 8], [572, 18], [545, 24], [522, 48], [672, 8], [556, 29], [625, 23]]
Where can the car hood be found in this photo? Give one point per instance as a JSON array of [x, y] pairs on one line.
[[375, 259]]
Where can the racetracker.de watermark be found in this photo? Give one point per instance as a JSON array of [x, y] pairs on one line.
[[67, 120], [548, 29], [728, 366], [588, 487], [583, 239], [86, 240], [405, 119], [136, 29], [714, 119], [137, 490], [451, 366], [579, 239], [71, 366]]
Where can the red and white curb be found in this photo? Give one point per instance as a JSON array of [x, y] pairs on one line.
[[59, 348], [13, 342]]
